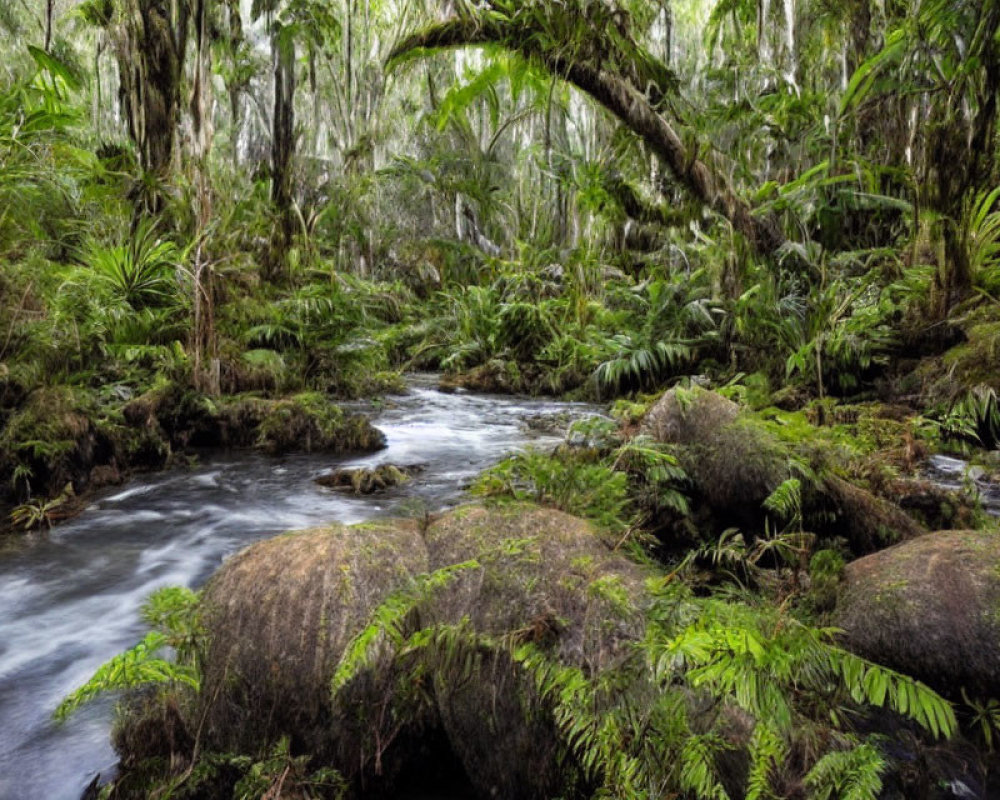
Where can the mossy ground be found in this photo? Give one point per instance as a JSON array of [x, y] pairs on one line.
[[66, 436]]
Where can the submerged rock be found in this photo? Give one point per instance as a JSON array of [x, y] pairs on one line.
[[361, 480], [282, 613], [929, 607]]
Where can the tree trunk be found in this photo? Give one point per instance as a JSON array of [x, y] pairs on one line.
[[204, 344], [150, 54], [282, 151], [49, 10]]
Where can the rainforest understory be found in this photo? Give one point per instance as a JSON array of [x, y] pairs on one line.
[[763, 236]]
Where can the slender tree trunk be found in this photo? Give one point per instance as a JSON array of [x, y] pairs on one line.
[[282, 151], [205, 346], [235, 86], [49, 11]]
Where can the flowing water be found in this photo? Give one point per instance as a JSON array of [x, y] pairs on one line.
[[69, 599], [954, 473]]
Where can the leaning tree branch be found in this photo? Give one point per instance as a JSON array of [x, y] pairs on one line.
[[623, 100], [640, 209]]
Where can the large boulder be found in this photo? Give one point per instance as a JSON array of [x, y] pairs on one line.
[[735, 461], [687, 416], [929, 607], [281, 613]]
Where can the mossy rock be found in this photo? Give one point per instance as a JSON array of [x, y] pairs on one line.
[[972, 361], [362, 480], [735, 460], [507, 376], [929, 607], [305, 422], [494, 377], [180, 414], [309, 422], [688, 416], [281, 613]]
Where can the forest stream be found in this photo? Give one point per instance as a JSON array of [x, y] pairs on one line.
[[70, 598]]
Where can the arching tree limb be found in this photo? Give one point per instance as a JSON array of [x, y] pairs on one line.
[[621, 98]]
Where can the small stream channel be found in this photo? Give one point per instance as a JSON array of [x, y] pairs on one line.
[[954, 473], [69, 599]]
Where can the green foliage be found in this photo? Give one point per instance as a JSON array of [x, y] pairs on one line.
[[36, 513], [390, 625], [640, 367], [656, 476], [136, 667], [784, 678], [280, 773], [786, 502], [571, 484], [854, 774], [726, 646], [985, 718], [173, 614], [975, 416], [140, 271]]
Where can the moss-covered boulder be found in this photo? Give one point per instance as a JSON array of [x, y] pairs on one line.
[[733, 463], [687, 416], [178, 414], [308, 422], [546, 578], [510, 376], [281, 613], [929, 607], [736, 460]]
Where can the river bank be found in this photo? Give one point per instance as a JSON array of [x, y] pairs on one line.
[[72, 595]]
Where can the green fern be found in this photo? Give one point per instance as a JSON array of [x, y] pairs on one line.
[[173, 611], [389, 625], [136, 667], [854, 774]]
